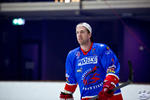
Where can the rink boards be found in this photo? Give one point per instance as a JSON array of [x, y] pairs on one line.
[[15, 90]]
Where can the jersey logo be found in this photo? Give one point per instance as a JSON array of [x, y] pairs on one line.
[[79, 70], [78, 55], [88, 60], [93, 50], [67, 76], [90, 76], [111, 69]]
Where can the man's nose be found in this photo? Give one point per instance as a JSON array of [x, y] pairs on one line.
[[79, 33]]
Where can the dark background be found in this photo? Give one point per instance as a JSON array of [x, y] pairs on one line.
[[45, 44]]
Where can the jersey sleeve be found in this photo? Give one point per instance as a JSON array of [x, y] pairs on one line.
[[111, 65], [71, 83]]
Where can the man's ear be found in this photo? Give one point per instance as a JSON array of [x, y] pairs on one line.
[[90, 35]]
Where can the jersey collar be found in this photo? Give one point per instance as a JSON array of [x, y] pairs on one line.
[[85, 53]]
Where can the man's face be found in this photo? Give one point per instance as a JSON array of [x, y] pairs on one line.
[[82, 35]]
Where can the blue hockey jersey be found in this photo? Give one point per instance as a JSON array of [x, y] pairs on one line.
[[89, 69]]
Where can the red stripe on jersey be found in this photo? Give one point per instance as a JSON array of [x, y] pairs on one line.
[[70, 88], [85, 53], [112, 78]]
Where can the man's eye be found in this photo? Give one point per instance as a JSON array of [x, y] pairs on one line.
[[82, 32]]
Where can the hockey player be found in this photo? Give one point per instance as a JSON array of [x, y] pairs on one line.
[[92, 66]]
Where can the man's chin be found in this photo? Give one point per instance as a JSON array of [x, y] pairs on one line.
[[81, 43]]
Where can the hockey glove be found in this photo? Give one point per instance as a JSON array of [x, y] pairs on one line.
[[65, 96], [104, 94]]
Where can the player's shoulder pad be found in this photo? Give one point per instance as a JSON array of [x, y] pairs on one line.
[[101, 45], [73, 52]]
